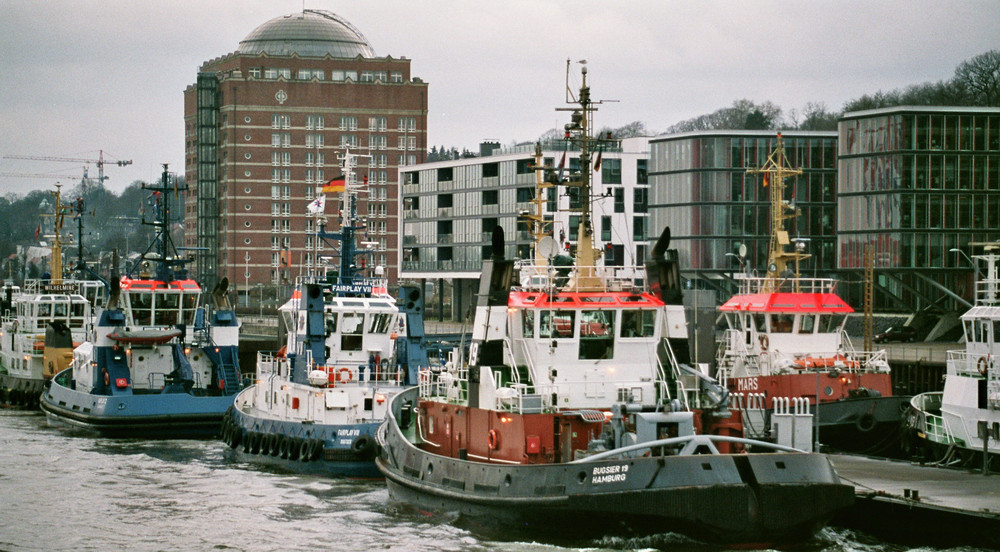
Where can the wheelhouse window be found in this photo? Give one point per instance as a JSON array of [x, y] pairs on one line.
[[380, 323], [142, 308], [351, 328], [597, 334], [167, 308], [556, 324], [527, 323], [830, 323], [807, 324], [781, 323], [330, 323], [638, 323]]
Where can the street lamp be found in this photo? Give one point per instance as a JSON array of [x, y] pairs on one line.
[[967, 258]]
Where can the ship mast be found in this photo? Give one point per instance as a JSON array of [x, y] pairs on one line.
[[539, 226], [578, 131], [775, 170], [57, 243]]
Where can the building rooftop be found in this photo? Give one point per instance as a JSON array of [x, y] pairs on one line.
[[312, 33]]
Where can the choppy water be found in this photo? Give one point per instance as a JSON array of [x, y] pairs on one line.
[[60, 491]]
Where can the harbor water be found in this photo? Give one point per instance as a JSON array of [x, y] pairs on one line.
[[60, 491]]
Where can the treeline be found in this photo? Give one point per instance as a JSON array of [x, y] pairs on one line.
[[110, 221]]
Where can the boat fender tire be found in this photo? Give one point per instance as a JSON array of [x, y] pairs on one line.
[[235, 437], [294, 447], [273, 444], [246, 442], [363, 444], [255, 442], [764, 342], [983, 365], [865, 423], [224, 432], [317, 450], [284, 445], [493, 439], [305, 450]]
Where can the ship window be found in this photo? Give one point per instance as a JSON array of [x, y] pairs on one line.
[[60, 311], [189, 301], [167, 306], [758, 320], [830, 323], [807, 324], [44, 310], [781, 323], [351, 327], [142, 308], [558, 324], [380, 323], [597, 335], [638, 323], [969, 336], [527, 323], [330, 321]]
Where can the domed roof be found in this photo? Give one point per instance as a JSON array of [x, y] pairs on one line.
[[313, 33]]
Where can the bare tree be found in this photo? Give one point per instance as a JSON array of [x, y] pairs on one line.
[[980, 78]]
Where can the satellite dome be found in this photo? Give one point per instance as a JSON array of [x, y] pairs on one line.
[[312, 33]]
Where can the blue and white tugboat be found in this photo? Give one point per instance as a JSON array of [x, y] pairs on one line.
[[350, 348], [574, 417], [157, 364]]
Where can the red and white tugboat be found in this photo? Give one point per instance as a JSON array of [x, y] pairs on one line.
[[786, 338], [573, 416]]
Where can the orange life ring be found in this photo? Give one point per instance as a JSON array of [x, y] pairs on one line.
[[344, 375], [764, 342], [983, 364], [281, 352], [493, 438]]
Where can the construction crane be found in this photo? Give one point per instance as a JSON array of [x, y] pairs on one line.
[[99, 162]]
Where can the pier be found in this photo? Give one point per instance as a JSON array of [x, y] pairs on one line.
[[921, 504]]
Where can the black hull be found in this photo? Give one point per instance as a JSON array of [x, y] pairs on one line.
[[172, 426], [871, 426], [21, 393], [745, 499]]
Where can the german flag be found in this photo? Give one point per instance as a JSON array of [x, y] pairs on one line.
[[336, 184]]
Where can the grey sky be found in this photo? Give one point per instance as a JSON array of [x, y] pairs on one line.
[[81, 76]]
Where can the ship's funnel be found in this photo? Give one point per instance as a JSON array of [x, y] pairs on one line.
[[663, 271]]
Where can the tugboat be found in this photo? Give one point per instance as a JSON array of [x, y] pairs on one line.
[[156, 364], [316, 404], [961, 425], [47, 309], [574, 415], [785, 338]]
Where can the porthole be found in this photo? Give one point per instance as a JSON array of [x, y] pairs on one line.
[[246, 119], [246, 137], [247, 224], [247, 189], [246, 155], [247, 206], [246, 174], [246, 241], [829, 391]]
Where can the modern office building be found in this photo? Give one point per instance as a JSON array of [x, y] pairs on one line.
[[450, 208], [265, 126], [701, 188], [921, 186]]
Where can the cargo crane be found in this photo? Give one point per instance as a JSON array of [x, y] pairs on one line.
[[77, 206], [99, 162]]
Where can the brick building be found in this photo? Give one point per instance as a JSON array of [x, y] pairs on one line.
[[265, 126]]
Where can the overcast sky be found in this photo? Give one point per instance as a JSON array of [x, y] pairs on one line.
[[83, 76]]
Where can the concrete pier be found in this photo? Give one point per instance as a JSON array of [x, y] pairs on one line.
[[921, 505]]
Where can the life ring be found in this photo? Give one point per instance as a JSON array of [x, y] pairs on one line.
[[493, 438], [764, 342], [344, 375], [983, 364]]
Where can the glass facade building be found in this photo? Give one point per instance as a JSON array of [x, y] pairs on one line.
[[916, 183], [700, 188]]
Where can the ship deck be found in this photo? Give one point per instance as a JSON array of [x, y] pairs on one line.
[[923, 504]]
